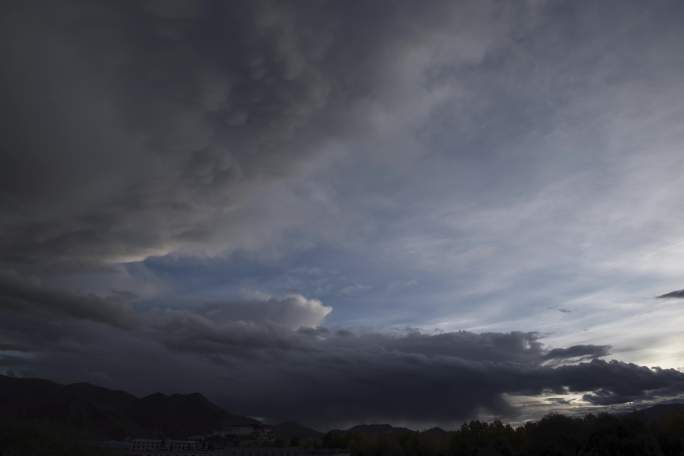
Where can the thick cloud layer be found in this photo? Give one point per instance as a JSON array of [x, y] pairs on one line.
[[148, 127], [188, 188], [253, 364], [18, 296]]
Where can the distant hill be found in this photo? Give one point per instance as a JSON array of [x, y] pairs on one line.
[[377, 429], [290, 429], [105, 413], [673, 294]]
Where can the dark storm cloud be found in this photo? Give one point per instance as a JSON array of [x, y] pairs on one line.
[[135, 128], [254, 365], [239, 328], [673, 294], [19, 296], [641, 383], [578, 351]]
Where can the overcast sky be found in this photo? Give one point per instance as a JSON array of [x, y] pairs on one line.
[[414, 212]]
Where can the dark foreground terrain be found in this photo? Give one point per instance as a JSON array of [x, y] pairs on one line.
[[657, 431], [42, 418]]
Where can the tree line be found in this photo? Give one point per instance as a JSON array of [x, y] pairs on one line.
[[554, 435]]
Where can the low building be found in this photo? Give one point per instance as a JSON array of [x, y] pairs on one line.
[[163, 447]]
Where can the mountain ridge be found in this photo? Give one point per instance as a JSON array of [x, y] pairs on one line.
[[104, 413]]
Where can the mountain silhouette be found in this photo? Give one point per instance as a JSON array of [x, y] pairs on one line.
[[291, 429], [104, 413], [376, 429]]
